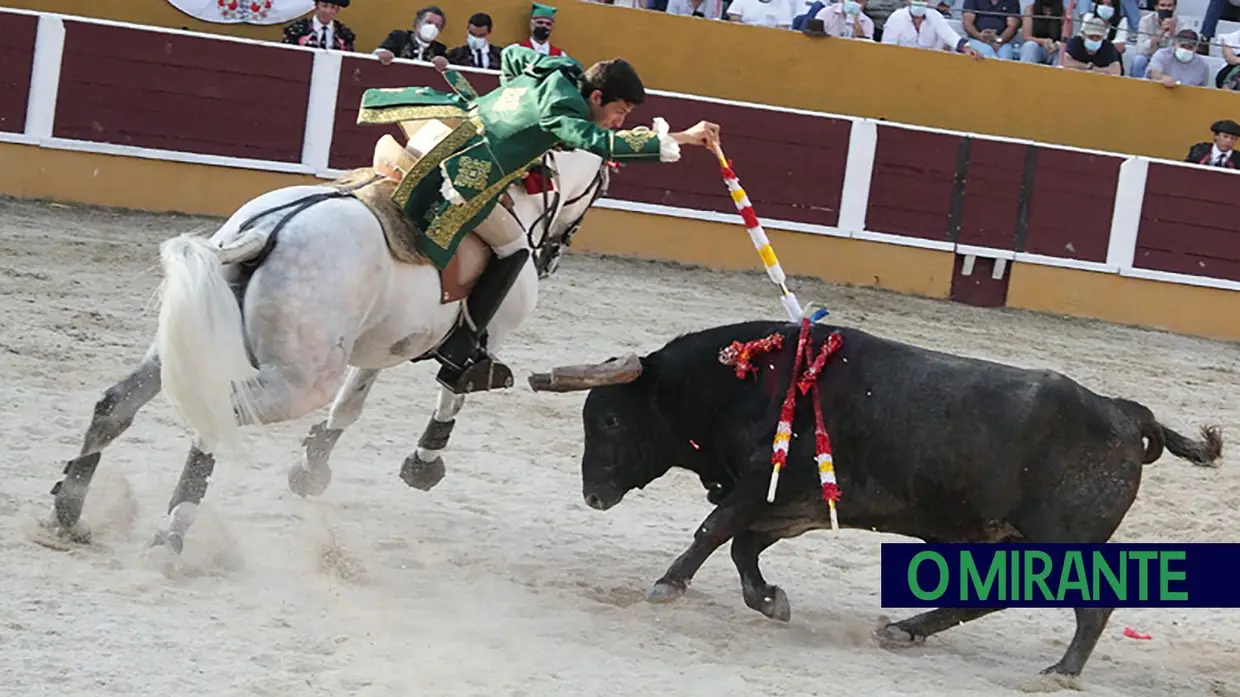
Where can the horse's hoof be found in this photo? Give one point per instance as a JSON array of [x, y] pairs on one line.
[[892, 636], [665, 592], [420, 474], [305, 482], [173, 541]]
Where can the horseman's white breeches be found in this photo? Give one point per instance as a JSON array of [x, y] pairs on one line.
[[502, 231]]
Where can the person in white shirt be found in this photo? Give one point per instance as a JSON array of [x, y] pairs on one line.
[[846, 20], [708, 9], [918, 25], [762, 13]]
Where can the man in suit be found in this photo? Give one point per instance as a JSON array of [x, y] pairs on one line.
[[542, 21], [1220, 153], [478, 52], [417, 44], [321, 29]]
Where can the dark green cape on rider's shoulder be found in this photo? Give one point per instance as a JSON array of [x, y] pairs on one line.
[[500, 135]]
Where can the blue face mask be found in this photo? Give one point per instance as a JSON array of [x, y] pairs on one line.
[[852, 7], [1093, 44], [1106, 11], [917, 9]]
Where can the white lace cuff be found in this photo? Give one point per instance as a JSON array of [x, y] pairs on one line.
[[669, 149]]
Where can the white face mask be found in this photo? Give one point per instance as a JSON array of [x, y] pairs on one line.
[[428, 31], [917, 9], [477, 43], [1106, 11], [1183, 55]]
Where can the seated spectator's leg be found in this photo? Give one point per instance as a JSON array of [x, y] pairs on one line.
[[1032, 52], [982, 48], [1007, 52], [1139, 62], [1132, 12], [1209, 24]]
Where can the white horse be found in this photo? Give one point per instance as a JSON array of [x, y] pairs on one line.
[[295, 299]]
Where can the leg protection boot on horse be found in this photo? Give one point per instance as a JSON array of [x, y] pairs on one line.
[[467, 366]]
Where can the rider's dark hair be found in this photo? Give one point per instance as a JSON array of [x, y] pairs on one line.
[[616, 79]]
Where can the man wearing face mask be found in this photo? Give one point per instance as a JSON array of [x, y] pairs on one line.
[[416, 44], [1179, 64], [491, 141], [1091, 50], [921, 26], [478, 52], [845, 19], [1154, 32], [542, 21]]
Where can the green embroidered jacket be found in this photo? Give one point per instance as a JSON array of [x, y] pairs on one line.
[[537, 107]]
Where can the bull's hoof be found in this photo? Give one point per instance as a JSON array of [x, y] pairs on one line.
[[306, 482], [893, 636], [666, 591], [773, 603], [420, 474], [1060, 670]]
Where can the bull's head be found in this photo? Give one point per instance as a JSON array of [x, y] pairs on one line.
[[626, 437]]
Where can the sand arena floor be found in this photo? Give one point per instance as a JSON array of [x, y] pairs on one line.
[[501, 581]]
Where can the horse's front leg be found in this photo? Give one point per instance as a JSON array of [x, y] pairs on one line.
[[424, 468], [313, 474]]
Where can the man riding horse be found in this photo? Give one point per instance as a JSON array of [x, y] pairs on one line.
[[485, 143]]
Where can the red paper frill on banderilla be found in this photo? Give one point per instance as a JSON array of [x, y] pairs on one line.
[[740, 355]]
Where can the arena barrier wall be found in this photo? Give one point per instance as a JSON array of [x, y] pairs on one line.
[[856, 78], [110, 114]]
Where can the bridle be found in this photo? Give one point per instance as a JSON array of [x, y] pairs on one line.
[[547, 252]]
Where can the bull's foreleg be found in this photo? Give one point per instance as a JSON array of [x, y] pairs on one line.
[[914, 630], [311, 476], [424, 468], [767, 599], [732, 517], [1090, 622]]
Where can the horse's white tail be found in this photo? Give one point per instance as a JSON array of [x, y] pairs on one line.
[[204, 367]]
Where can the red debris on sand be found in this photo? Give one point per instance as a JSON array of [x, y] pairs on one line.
[[1134, 634]]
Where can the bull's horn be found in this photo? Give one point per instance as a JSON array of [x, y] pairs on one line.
[[583, 377]]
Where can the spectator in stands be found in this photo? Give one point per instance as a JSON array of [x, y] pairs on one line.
[[1041, 30], [1091, 50], [1220, 153], [1112, 12], [708, 9], [1154, 32], [1229, 77], [542, 22], [478, 50], [1216, 10], [845, 20], [991, 26], [761, 13], [321, 29], [879, 11], [416, 44], [1179, 64], [915, 27]]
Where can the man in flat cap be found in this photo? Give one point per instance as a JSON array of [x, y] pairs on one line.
[[542, 21], [1220, 153], [451, 189], [321, 29], [1179, 63]]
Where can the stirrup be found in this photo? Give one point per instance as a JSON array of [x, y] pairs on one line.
[[484, 375]]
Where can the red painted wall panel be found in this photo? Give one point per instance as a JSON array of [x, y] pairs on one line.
[[790, 165], [1189, 222], [911, 187], [353, 145], [1071, 204], [190, 94], [992, 194], [17, 35]]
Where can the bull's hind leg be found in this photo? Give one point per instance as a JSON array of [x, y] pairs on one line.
[[114, 412], [914, 630], [424, 468], [1090, 622], [759, 595], [311, 476]]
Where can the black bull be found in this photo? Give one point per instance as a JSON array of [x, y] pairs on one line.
[[926, 444]]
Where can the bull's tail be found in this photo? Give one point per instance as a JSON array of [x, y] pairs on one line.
[[1204, 452]]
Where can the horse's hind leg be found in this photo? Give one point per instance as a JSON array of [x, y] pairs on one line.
[[114, 412], [311, 476], [424, 468], [183, 507]]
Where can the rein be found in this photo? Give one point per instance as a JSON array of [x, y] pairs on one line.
[[546, 251]]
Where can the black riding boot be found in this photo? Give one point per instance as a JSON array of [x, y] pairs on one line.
[[467, 367]]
